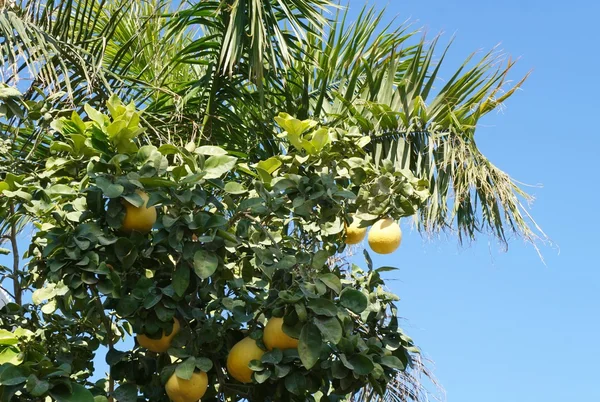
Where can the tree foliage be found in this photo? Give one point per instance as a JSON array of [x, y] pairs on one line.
[[219, 72], [234, 245], [257, 130]]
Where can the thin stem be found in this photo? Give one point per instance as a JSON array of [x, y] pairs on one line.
[[257, 222], [18, 292], [7, 292]]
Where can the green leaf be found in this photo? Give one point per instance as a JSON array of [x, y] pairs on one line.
[[354, 300], [262, 376], [126, 393], [301, 312], [7, 338], [270, 165], [240, 315], [386, 269], [152, 299], [59, 189], [323, 307], [361, 364], [392, 362], [210, 150], [205, 263], [79, 394], [339, 370], [319, 259], [49, 307], [281, 370], [293, 125], [235, 188], [332, 228], [9, 92], [309, 347], [272, 357], [36, 387], [296, 383], [186, 369], [290, 297], [12, 375], [109, 189], [181, 279], [330, 328], [95, 115], [217, 165], [127, 306], [320, 139], [114, 356], [332, 281], [204, 364], [10, 354]]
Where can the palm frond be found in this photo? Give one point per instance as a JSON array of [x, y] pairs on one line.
[[416, 384], [388, 85]]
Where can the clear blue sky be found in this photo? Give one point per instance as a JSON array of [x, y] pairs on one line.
[[502, 327]]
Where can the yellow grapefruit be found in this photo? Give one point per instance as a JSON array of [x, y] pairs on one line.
[[385, 236], [274, 337], [240, 356], [163, 343], [140, 219], [180, 390], [354, 234]]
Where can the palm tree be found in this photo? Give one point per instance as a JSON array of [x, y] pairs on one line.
[[219, 71]]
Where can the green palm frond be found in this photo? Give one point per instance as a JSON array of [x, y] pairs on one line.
[[254, 30], [51, 61], [416, 384], [388, 85]]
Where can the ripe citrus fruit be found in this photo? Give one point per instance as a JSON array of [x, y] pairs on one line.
[[385, 236], [240, 356], [274, 337], [354, 234], [180, 390], [163, 343], [140, 219]]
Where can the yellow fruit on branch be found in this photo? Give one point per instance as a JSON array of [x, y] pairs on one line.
[[161, 344], [354, 234], [274, 337], [240, 355], [385, 236], [180, 390], [139, 219]]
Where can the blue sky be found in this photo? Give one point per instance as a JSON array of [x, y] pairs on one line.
[[502, 326]]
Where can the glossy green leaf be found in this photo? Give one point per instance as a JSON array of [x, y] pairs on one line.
[[205, 263], [218, 165], [186, 369], [330, 328], [354, 300], [309, 347]]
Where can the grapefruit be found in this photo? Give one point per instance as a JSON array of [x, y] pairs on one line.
[[385, 236]]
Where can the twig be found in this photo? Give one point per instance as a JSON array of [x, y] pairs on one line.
[[7, 292], [264, 229]]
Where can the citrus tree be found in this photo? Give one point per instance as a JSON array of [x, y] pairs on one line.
[[230, 275]]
